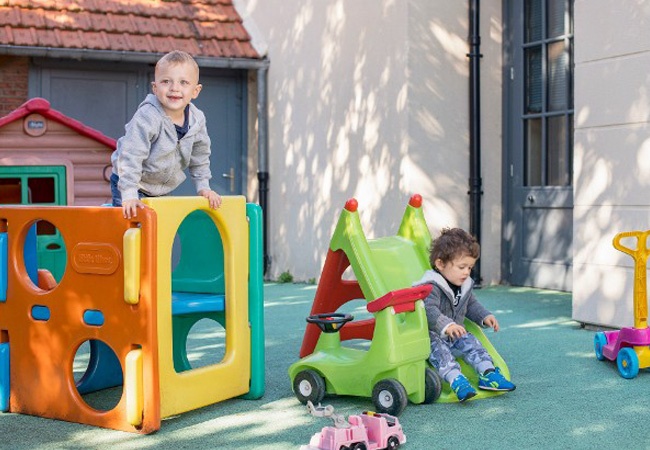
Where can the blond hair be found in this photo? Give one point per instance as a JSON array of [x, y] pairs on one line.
[[178, 57]]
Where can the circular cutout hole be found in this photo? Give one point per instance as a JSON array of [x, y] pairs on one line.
[[45, 254], [98, 375], [206, 343]]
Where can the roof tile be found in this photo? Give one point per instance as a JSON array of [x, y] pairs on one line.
[[26, 3], [84, 21], [142, 43], [32, 17], [9, 15], [5, 33], [207, 28], [87, 5], [152, 25], [162, 44], [71, 39], [119, 42], [99, 22], [47, 38], [229, 12], [169, 9], [23, 36], [124, 24], [96, 40], [211, 46], [58, 20]]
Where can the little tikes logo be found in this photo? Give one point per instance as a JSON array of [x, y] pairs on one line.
[[95, 258]]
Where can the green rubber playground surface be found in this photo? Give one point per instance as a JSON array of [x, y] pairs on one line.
[[565, 398]]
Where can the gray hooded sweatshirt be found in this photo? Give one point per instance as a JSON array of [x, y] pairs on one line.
[[439, 304], [151, 158]]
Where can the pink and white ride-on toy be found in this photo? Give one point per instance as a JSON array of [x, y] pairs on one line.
[[366, 431]]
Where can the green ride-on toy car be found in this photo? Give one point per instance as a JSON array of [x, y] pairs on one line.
[[392, 371]]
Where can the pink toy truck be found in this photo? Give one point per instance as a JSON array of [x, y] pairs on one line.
[[366, 431]]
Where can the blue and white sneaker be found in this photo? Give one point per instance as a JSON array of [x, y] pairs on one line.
[[462, 388], [494, 381]]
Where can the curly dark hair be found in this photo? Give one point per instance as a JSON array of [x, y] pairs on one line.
[[451, 244]]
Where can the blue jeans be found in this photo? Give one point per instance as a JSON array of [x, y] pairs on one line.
[[443, 353], [117, 196]]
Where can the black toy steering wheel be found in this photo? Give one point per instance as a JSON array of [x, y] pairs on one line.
[[331, 322]]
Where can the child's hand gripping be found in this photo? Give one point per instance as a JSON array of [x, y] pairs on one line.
[[130, 208], [214, 199]]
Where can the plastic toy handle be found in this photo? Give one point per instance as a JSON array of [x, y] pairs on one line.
[[132, 265], [134, 387], [642, 239], [640, 256], [402, 299], [3, 267]]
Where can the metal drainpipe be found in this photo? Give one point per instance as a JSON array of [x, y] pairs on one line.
[[475, 182], [263, 152]]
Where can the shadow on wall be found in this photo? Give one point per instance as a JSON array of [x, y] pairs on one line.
[[354, 124], [611, 179]]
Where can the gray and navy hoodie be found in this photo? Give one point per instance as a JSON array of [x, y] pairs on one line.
[[439, 304], [151, 158]]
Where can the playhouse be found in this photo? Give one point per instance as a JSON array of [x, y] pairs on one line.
[[120, 293], [48, 158], [76, 275]]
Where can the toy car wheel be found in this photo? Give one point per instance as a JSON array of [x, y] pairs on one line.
[[359, 446], [393, 443], [389, 396], [309, 386], [600, 340], [432, 386], [627, 362]]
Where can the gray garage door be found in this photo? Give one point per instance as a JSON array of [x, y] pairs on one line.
[[104, 95]]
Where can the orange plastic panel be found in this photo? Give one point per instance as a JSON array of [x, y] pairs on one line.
[[43, 351]]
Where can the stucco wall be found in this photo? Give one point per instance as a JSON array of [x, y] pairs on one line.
[[612, 154], [369, 99], [437, 159]]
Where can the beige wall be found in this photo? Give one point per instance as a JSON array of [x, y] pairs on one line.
[[369, 99], [438, 110], [612, 154]]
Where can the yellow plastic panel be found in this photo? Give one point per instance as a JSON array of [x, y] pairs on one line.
[[133, 387], [132, 265], [230, 378]]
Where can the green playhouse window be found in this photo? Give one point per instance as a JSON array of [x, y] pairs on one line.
[[32, 185], [39, 185]]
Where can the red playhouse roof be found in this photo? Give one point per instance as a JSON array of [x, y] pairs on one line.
[[42, 107]]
